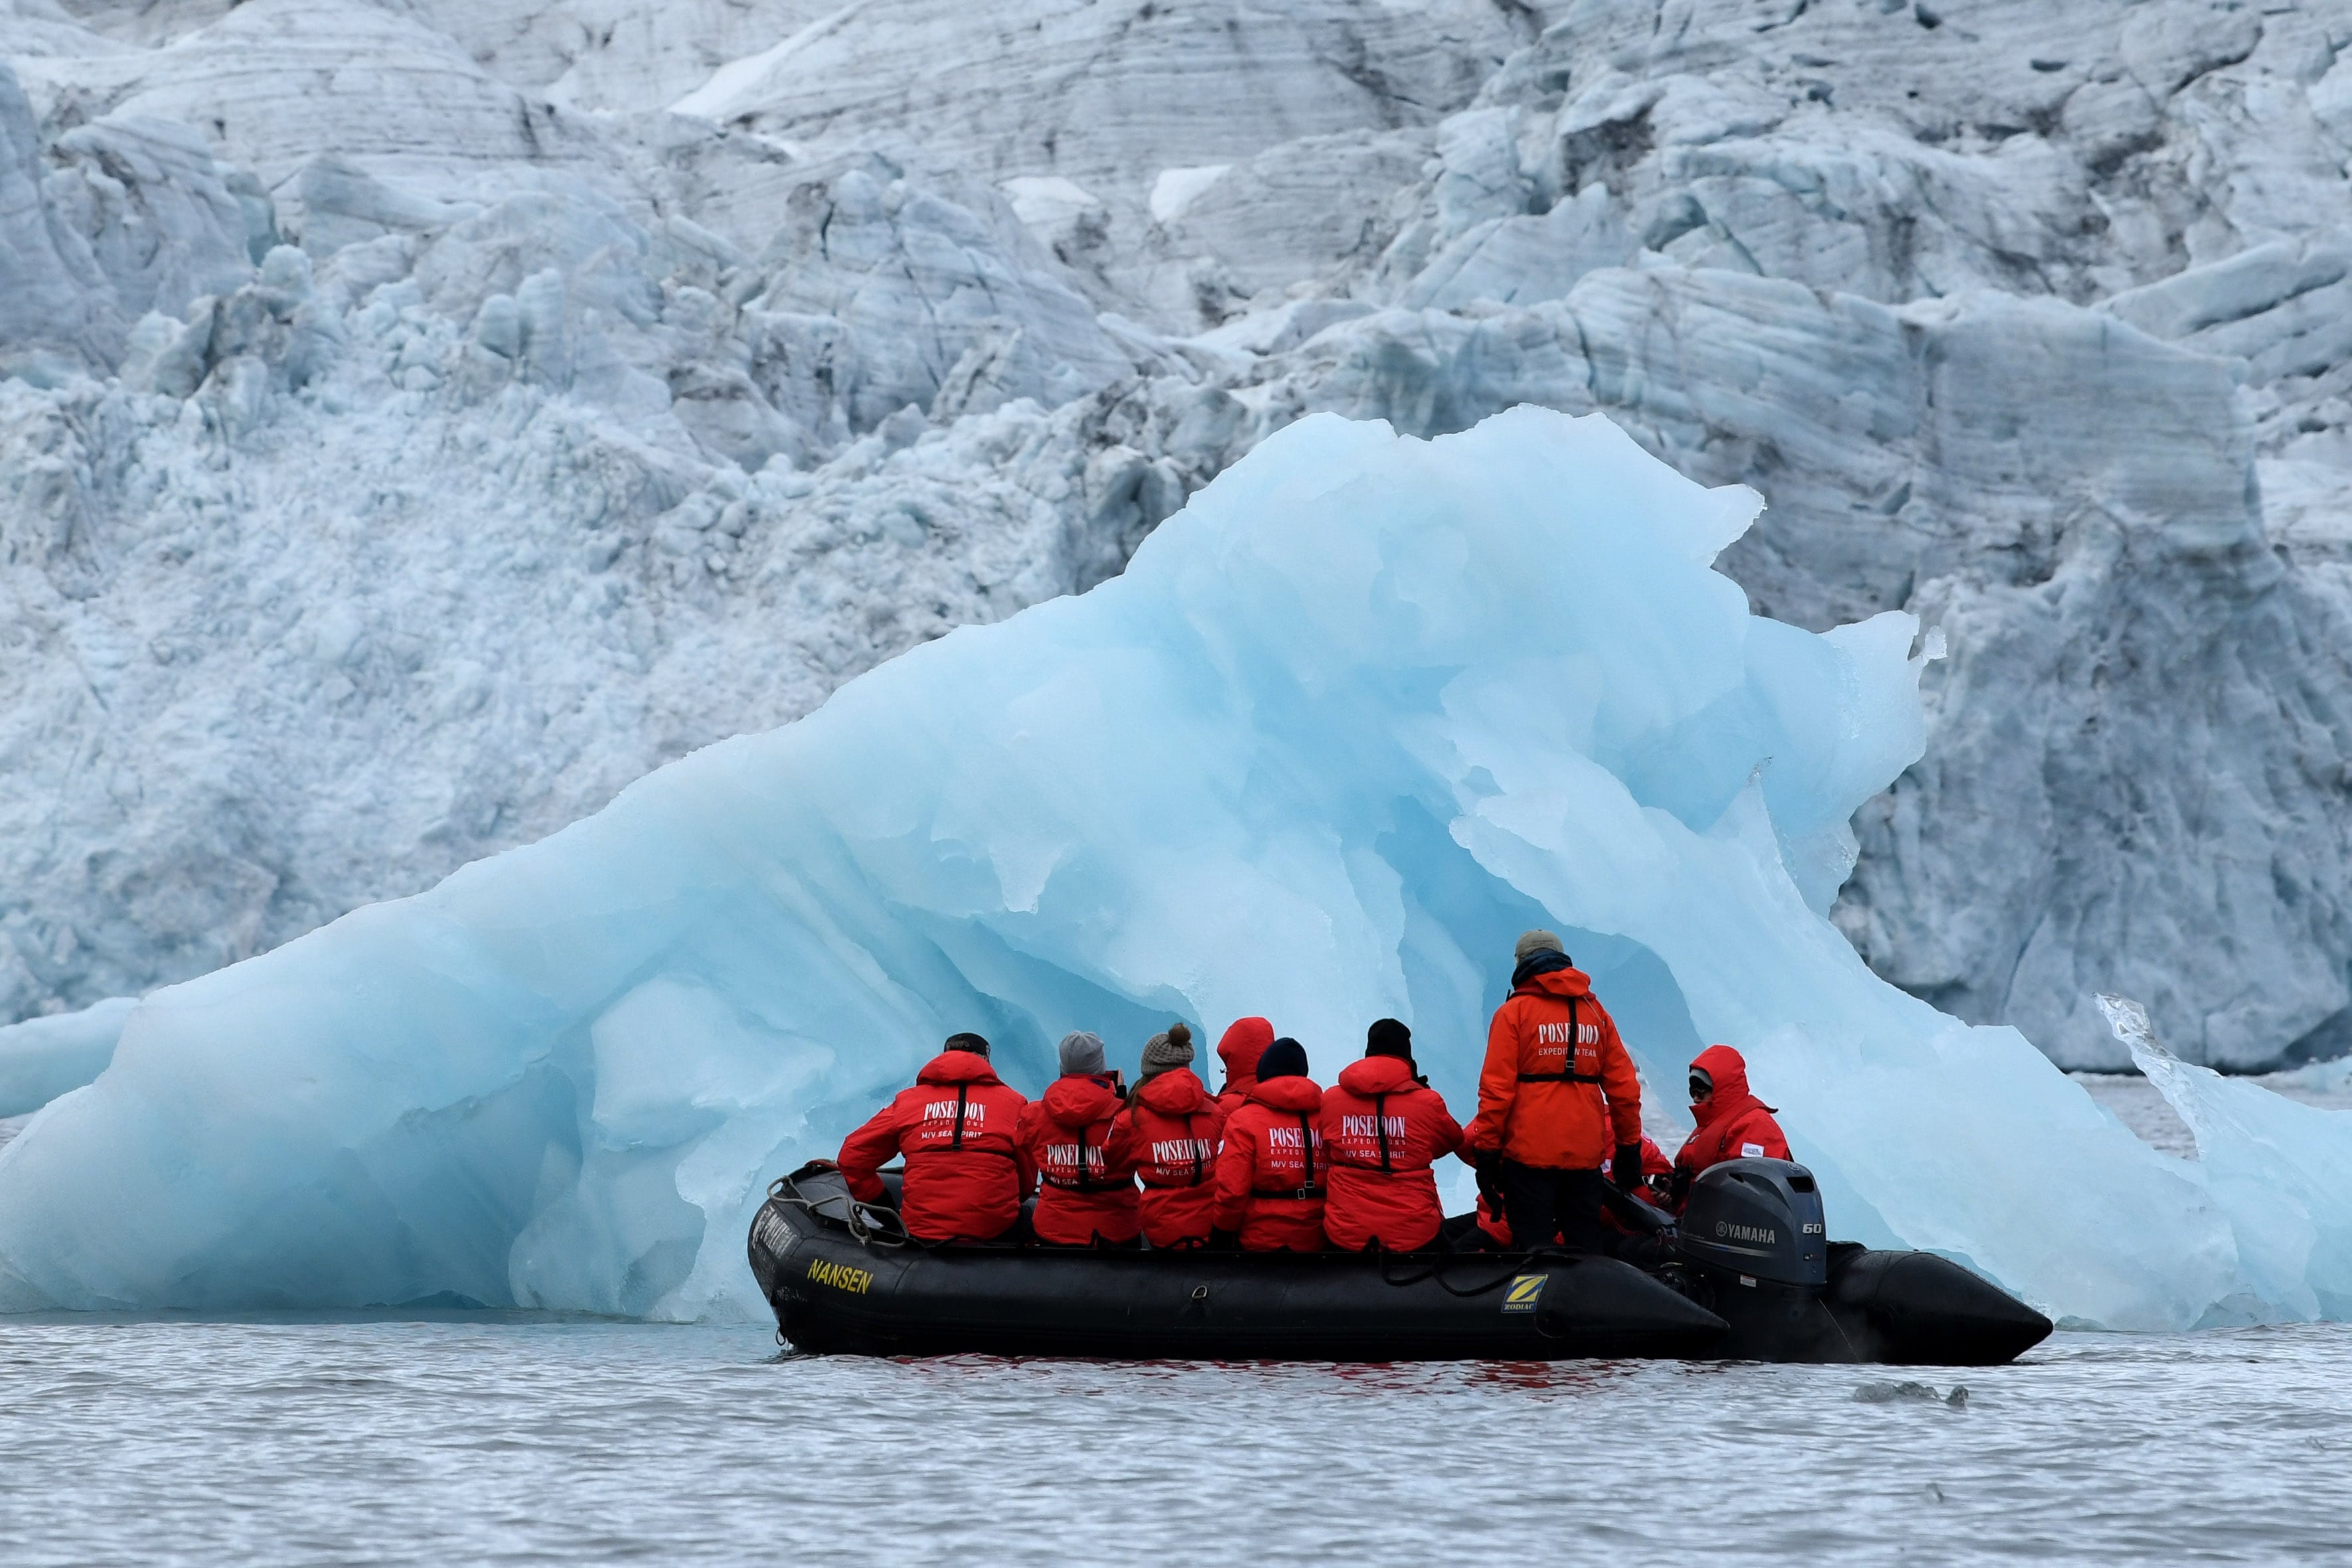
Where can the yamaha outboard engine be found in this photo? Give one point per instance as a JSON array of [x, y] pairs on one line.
[[1758, 1218], [1755, 1251]]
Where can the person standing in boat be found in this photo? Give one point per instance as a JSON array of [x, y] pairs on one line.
[[1556, 1093], [1733, 1124], [1172, 1128], [1242, 1044], [1270, 1172], [1070, 1136], [1382, 1127], [957, 1129]]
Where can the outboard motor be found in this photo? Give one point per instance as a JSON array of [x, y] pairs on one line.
[[1755, 1251], [1760, 1218]]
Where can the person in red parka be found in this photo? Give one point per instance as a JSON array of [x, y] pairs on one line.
[[1171, 1129], [1240, 1048], [1733, 1124], [1270, 1173], [1642, 1212], [1556, 1093], [1382, 1127], [1086, 1179], [958, 1126]]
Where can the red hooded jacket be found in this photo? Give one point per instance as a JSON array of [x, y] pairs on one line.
[[1529, 1105], [1270, 1173], [1171, 1130], [1086, 1179], [1382, 1130], [1242, 1044], [957, 1127], [1732, 1122]]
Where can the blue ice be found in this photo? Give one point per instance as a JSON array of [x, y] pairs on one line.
[[41, 1058], [1364, 710]]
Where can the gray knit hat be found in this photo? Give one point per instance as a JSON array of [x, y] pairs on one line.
[[1082, 1055], [1535, 941], [1173, 1049]]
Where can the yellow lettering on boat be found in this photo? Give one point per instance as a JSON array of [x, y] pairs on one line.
[[840, 1276]]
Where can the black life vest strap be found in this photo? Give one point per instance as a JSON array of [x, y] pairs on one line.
[[1570, 1075], [1307, 1189], [1306, 1151], [1200, 1161], [1087, 1183], [963, 1103]]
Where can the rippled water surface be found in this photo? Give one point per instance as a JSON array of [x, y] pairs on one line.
[[488, 1438]]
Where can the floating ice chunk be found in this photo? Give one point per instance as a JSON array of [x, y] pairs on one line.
[[2280, 1171], [1362, 711]]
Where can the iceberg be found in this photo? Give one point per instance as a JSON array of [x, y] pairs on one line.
[[2280, 1170], [42, 1058], [1364, 710]]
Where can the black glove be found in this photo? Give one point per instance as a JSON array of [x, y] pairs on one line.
[[1625, 1167], [1678, 1188], [1489, 1163]]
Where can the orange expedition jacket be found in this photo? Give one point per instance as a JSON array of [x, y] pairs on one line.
[[1558, 1089]]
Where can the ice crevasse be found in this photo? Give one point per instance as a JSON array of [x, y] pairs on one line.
[[1365, 709]]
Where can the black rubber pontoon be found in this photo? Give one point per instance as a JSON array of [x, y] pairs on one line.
[[842, 1280]]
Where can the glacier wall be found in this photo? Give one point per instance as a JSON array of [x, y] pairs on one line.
[[1361, 711], [418, 420]]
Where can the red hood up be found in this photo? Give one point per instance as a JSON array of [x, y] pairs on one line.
[[1080, 1101], [1239, 1050], [1728, 1069], [1375, 1074], [1560, 982], [958, 1067], [1288, 1093], [1176, 1092]]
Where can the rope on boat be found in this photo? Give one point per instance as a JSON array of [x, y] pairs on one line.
[[863, 1224], [1437, 1271]]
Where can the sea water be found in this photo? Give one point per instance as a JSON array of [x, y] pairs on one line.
[[508, 1438]]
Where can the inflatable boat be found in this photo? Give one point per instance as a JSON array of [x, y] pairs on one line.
[[1748, 1274]]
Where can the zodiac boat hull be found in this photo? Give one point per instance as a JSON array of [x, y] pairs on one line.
[[834, 1291]]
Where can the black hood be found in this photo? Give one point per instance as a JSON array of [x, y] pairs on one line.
[[1538, 964]]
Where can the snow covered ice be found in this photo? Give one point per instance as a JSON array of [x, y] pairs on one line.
[[1364, 710]]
